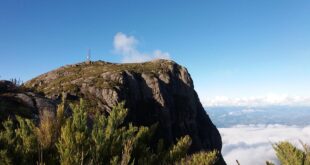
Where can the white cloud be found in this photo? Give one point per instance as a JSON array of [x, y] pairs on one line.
[[252, 144], [161, 55], [269, 100], [126, 46]]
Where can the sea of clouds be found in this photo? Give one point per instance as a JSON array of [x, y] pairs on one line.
[[250, 126], [252, 144]]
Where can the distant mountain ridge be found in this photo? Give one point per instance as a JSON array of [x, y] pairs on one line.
[[284, 115]]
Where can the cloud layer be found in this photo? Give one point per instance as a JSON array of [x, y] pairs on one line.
[[252, 144], [126, 46], [269, 100]]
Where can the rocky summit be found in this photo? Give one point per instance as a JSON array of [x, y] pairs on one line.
[[159, 91]]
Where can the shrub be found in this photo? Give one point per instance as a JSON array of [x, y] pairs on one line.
[[288, 154], [90, 139], [291, 155]]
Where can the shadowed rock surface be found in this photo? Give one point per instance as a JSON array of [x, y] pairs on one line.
[[160, 91], [14, 101]]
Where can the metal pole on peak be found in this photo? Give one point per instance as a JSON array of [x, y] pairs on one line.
[[88, 56]]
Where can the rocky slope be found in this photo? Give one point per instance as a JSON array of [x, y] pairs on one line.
[[159, 91]]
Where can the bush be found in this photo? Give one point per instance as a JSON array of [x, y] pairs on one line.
[[79, 139], [288, 154]]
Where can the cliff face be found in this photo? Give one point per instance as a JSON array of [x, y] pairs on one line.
[[159, 91]]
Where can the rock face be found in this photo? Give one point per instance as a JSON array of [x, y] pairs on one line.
[[14, 101], [159, 91]]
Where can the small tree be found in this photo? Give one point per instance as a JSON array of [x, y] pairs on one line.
[[73, 142], [201, 158], [19, 145], [291, 155], [84, 139], [179, 150]]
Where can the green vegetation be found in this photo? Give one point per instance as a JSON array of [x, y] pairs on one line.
[[288, 154], [90, 139]]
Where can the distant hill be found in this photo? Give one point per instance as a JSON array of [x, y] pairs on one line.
[[284, 115]]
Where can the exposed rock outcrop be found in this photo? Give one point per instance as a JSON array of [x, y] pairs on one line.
[[159, 91], [14, 101]]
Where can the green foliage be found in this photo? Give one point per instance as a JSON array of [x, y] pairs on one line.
[[18, 145], [98, 139], [179, 150], [73, 141], [201, 158], [90, 139], [288, 154], [5, 159], [26, 137]]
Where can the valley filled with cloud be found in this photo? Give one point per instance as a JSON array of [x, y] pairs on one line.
[[248, 133], [252, 144]]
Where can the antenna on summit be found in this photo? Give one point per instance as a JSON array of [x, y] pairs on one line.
[[88, 56]]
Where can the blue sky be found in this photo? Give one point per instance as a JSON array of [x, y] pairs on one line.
[[234, 48]]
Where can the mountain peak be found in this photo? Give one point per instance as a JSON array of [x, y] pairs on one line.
[[158, 91]]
